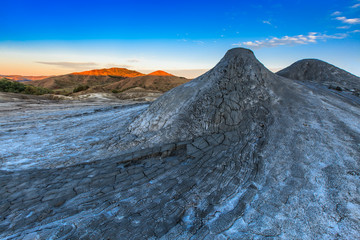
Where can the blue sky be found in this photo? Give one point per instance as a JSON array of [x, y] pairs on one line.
[[57, 37]]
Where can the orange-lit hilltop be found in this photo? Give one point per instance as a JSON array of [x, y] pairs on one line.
[[111, 80], [111, 72], [160, 73]]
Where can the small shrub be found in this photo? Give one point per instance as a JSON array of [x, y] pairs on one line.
[[80, 88], [7, 85], [36, 90]]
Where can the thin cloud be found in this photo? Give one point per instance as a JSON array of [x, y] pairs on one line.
[[267, 22], [356, 5], [112, 65], [343, 27], [133, 60], [349, 20], [199, 42], [294, 40], [71, 65], [337, 13]]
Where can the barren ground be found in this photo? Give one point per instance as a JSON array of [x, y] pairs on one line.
[[42, 133], [238, 153]]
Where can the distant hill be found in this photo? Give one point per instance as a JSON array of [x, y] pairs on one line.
[[111, 80], [20, 78], [90, 78], [160, 73], [70, 81], [162, 83], [321, 72], [119, 72]]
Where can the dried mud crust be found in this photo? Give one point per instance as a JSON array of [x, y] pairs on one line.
[[158, 189], [238, 153]]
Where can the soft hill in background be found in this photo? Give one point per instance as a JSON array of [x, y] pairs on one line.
[[148, 87], [321, 72], [118, 72], [160, 83], [66, 83], [160, 73], [113, 80], [20, 78]]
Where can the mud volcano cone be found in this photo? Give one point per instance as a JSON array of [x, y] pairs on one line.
[[321, 72], [231, 96]]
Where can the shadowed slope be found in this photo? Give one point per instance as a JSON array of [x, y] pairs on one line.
[[90, 78], [321, 72], [71, 81], [150, 82]]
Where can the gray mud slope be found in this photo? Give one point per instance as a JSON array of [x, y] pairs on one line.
[[238, 153], [321, 72]]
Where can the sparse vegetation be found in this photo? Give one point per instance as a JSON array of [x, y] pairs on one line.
[[63, 91], [119, 77], [125, 89], [7, 85], [10, 86], [81, 88], [121, 90]]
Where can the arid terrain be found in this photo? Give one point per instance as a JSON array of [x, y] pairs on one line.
[[237, 153], [111, 80], [44, 133]]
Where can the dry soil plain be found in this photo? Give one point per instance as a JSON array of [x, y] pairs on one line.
[[42, 133]]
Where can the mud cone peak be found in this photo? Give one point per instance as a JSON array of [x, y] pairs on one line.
[[214, 102], [239, 52]]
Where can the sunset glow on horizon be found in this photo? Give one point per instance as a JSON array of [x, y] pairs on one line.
[[184, 38]]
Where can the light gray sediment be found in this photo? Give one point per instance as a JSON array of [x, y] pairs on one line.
[[238, 153]]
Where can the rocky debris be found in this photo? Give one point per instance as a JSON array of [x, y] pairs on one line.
[[322, 72], [238, 153]]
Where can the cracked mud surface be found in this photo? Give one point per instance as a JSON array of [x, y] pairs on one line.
[[238, 153], [46, 134]]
